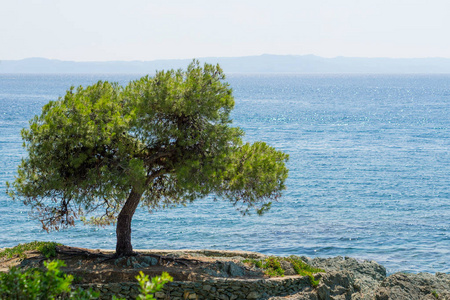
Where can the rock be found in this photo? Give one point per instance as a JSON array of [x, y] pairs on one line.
[[234, 270], [212, 272], [115, 288], [223, 267], [119, 261], [176, 254], [337, 285], [130, 261], [149, 260], [160, 295], [368, 274], [206, 287], [226, 269], [367, 268], [402, 286], [287, 267], [253, 295], [137, 265]]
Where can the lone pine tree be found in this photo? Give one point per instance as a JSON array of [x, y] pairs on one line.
[[100, 151]]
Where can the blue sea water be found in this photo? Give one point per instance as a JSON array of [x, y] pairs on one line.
[[369, 170]]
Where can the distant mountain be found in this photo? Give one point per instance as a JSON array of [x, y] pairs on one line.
[[249, 64]]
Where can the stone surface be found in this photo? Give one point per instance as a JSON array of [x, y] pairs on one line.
[[149, 260], [414, 287], [253, 295], [345, 279], [287, 267], [207, 287], [337, 285], [234, 270], [368, 274]]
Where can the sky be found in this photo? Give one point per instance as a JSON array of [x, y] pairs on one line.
[[106, 30]]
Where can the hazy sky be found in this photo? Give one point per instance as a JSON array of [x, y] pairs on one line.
[[87, 30]]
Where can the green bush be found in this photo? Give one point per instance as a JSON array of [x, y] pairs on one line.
[[435, 294], [48, 249], [272, 267], [52, 283], [147, 288], [41, 284], [303, 269]]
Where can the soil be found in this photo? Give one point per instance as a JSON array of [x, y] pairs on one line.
[[101, 266]]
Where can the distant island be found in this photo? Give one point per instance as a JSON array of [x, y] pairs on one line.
[[265, 63]]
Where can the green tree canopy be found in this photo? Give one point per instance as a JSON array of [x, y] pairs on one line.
[[160, 141]]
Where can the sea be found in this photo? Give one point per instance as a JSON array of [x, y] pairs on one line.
[[369, 170]]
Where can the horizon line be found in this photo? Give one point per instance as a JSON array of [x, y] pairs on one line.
[[226, 57]]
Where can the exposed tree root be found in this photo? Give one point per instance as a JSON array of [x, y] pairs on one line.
[[71, 251]]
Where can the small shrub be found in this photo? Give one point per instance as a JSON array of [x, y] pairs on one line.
[[52, 283], [149, 287], [435, 294], [258, 263], [272, 267], [40, 284], [303, 269], [48, 249], [254, 262]]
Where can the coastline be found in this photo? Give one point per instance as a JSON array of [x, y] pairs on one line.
[[225, 274]]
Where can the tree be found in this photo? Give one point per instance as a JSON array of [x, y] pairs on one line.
[[160, 141]]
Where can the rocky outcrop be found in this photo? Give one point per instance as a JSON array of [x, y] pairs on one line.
[[352, 279], [402, 286], [214, 274], [337, 285], [345, 279], [364, 275]]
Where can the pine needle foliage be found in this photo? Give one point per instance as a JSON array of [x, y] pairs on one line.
[[100, 151]]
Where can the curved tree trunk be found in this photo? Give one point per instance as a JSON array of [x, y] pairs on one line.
[[123, 228]]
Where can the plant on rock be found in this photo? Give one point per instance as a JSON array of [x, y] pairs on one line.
[[48, 249], [159, 142], [272, 267]]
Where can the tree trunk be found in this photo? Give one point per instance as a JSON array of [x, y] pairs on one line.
[[123, 229]]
